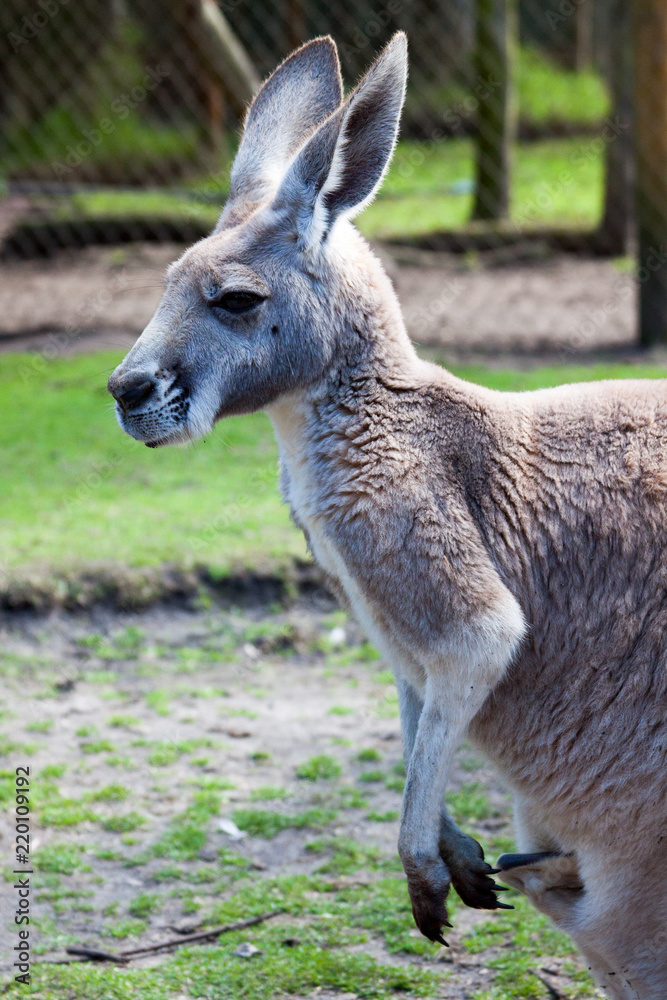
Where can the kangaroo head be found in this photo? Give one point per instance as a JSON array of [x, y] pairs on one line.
[[263, 305]]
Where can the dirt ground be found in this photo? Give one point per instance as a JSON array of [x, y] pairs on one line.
[[155, 706], [496, 308]]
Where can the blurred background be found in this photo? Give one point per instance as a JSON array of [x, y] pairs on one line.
[[529, 128], [119, 119], [158, 611], [523, 222]]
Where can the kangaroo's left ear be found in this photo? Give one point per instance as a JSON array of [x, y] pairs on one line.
[[340, 167]]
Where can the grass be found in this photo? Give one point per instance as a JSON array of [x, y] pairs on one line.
[[61, 858], [549, 93], [79, 494], [319, 766], [329, 914], [557, 182], [187, 832], [76, 492], [268, 824], [337, 880], [267, 793], [124, 141], [216, 973], [123, 823]]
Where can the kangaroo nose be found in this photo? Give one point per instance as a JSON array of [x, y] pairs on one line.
[[131, 391]]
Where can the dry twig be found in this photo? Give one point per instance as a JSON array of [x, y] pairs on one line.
[[123, 957]]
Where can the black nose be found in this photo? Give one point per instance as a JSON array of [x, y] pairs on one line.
[[131, 391]]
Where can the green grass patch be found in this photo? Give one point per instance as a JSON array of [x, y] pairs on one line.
[[470, 802], [347, 797], [40, 726], [346, 856], [123, 721], [267, 793], [216, 973], [123, 822], [109, 793], [267, 823], [550, 93], [66, 812], [558, 182], [319, 766], [96, 746], [81, 492], [555, 182], [64, 859], [52, 771], [391, 816], [144, 904], [371, 776], [187, 833], [129, 927], [158, 700]]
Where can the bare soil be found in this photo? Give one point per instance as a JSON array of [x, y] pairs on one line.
[[100, 694], [494, 307]]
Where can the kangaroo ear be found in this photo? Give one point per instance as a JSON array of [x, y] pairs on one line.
[[341, 166], [298, 95]]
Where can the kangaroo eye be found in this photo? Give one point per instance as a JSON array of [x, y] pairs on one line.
[[237, 302]]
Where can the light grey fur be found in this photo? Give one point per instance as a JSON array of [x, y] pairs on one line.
[[506, 552]]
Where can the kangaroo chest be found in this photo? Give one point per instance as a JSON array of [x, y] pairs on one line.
[[302, 491]]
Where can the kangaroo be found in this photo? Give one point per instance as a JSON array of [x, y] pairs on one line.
[[506, 552]]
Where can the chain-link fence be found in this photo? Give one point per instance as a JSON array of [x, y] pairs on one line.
[[119, 117]]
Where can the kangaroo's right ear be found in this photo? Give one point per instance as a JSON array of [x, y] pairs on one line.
[[298, 95], [341, 166]]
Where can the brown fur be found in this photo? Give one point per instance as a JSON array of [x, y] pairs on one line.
[[507, 552]]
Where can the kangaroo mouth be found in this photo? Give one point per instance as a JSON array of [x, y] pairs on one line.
[[176, 435]]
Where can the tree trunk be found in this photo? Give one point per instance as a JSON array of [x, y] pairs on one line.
[[649, 23], [227, 59], [583, 40], [618, 215], [496, 113]]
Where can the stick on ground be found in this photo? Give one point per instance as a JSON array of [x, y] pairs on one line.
[[122, 957]]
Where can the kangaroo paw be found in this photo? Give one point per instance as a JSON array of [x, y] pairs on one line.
[[471, 877], [428, 884]]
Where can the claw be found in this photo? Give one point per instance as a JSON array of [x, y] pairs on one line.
[[494, 871], [503, 906], [501, 888], [441, 939], [509, 861]]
